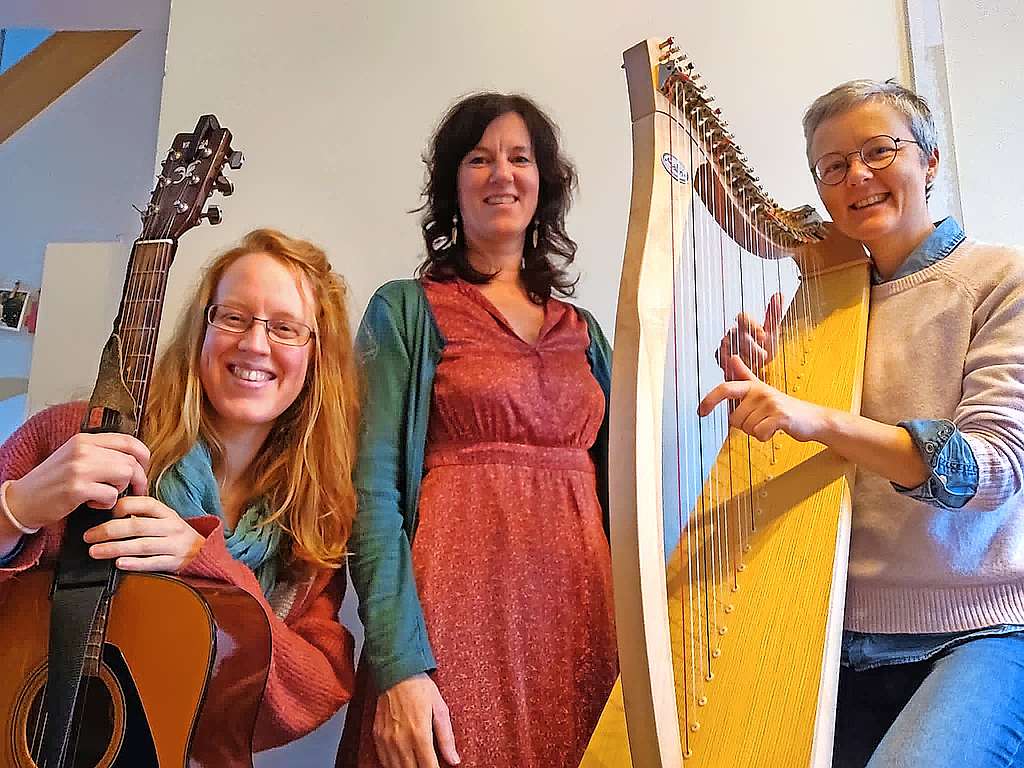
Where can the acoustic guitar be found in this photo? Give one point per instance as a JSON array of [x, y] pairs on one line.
[[170, 671]]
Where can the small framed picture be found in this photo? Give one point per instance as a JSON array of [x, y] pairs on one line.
[[13, 304]]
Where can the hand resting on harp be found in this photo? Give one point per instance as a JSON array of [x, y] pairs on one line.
[[760, 410]]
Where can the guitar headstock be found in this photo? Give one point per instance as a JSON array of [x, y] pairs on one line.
[[192, 171]]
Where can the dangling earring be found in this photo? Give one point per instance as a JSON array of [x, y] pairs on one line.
[[536, 233], [444, 242]]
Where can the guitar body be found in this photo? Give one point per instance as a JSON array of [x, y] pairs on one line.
[[183, 670]]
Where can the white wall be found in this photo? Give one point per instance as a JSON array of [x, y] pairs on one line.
[[986, 80], [73, 173], [333, 104], [61, 348]]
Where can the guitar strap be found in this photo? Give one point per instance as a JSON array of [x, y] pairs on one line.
[[81, 584], [80, 587]]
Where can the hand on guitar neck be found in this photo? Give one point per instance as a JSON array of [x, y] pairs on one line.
[[94, 469]]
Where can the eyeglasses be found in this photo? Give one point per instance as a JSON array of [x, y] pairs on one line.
[[877, 153], [289, 332]]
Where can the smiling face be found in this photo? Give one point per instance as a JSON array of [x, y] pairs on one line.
[[885, 209], [247, 378], [498, 182]]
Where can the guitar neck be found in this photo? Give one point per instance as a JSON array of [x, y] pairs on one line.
[[126, 365], [138, 319]]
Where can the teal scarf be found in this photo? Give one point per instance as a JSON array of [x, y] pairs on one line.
[[190, 489]]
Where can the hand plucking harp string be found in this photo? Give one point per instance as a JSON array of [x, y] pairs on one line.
[[754, 342], [95, 469], [761, 410]]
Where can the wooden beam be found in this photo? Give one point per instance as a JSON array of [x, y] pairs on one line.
[[60, 61]]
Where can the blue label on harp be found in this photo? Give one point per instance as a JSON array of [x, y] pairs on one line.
[[675, 168]]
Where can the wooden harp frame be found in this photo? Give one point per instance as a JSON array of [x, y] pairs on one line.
[[772, 697]]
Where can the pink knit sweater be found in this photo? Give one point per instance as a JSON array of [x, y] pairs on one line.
[[946, 342], [311, 669]]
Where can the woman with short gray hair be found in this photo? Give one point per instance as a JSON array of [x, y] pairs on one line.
[[933, 649]]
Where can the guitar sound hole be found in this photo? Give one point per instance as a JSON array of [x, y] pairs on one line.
[[94, 724]]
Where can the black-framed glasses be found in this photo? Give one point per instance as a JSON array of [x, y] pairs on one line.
[[233, 320], [876, 153]]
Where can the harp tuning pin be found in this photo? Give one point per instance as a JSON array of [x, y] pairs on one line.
[[666, 43]]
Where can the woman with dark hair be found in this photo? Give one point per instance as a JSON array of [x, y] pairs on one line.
[[479, 552]]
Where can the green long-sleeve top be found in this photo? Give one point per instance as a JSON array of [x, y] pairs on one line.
[[399, 345]]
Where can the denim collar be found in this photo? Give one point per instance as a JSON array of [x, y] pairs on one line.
[[940, 243]]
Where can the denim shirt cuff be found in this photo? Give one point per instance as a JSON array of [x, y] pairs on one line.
[[954, 470], [13, 554]]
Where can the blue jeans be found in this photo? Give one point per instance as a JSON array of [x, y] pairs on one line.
[[960, 708]]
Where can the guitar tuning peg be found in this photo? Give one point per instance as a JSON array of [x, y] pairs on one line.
[[212, 215], [235, 160], [224, 185]]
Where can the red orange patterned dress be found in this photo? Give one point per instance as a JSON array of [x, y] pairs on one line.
[[511, 560]]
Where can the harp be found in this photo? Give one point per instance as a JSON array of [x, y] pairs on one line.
[[729, 589]]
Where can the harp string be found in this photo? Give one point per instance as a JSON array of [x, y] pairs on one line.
[[716, 524]]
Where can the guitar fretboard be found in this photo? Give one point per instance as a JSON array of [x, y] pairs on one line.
[[138, 321]]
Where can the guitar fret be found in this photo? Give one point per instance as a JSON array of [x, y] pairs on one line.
[[139, 327]]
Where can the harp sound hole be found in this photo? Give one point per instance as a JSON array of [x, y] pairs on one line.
[[97, 727]]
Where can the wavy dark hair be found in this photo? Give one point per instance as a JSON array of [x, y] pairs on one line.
[[544, 267]]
